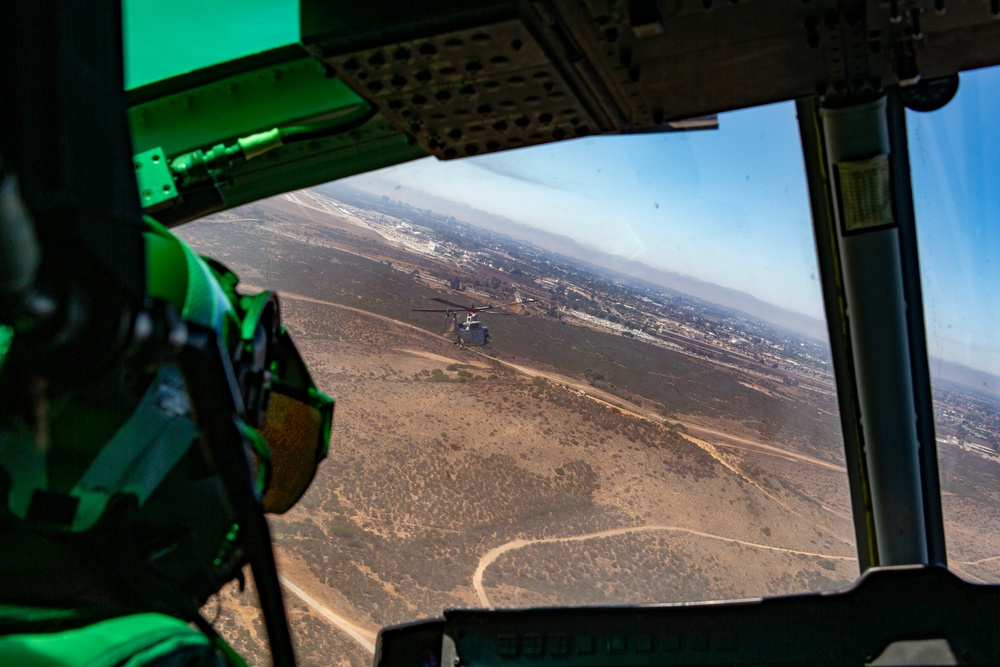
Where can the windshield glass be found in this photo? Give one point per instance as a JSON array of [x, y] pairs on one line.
[[954, 162], [645, 412]]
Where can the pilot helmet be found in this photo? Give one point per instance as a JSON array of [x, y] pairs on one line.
[[118, 473]]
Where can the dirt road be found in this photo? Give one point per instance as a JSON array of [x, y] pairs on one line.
[[493, 554], [606, 399], [759, 445], [358, 634]]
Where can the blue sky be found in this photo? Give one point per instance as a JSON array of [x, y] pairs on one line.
[[955, 163], [730, 206], [727, 206]]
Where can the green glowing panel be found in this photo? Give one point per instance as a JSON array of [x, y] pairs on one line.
[[244, 103], [166, 39], [152, 174], [6, 338]]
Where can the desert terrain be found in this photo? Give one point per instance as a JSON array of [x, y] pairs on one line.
[[509, 476]]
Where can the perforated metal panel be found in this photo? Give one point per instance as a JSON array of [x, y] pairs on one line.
[[469, 91], [470, 76]]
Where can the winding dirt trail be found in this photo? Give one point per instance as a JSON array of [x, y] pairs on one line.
[[449, 360], [573, 383], [980, 561], [759, 445], [600, 397], [710, 448], [300, 297], [364, 637], [493, 554], [605, 399]]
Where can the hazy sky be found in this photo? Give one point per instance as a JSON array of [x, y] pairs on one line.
[[727, 206], [730, 206]]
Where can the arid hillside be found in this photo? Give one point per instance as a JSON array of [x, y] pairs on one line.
[[440, 456], [457, 477]]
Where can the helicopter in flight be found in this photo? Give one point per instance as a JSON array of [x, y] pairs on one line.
[[348, 90], [472, 331]]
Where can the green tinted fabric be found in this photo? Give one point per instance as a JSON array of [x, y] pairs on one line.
[[135, 460], [128, 641], [143, 451], [138, 454], [166, 39]]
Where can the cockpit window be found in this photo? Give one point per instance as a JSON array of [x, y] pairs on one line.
[[954, 159], [653, 417]]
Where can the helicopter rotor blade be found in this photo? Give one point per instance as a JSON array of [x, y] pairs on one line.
[[450, 303], [512, 304], [522, 302]]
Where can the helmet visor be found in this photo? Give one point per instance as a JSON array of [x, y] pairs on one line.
[[297, 428]]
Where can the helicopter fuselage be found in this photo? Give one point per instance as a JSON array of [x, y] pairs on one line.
[[471, 332]]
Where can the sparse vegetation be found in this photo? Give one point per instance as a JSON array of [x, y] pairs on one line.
[[461, 375], [426, 475], [650, 567], [341, 527]]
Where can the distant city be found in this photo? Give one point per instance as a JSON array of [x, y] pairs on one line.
[[619, 441], [596, 297], [591, 294]]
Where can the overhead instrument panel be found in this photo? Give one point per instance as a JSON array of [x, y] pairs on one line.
[[471, 91], [462, 78]]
